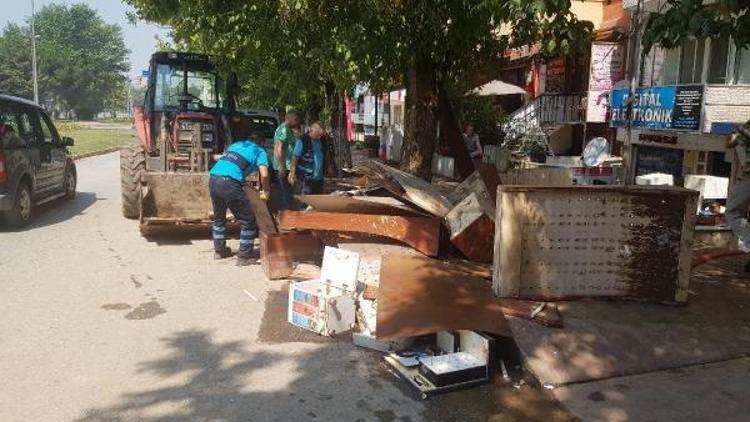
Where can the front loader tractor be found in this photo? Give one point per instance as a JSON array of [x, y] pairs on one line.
[[183, 128]]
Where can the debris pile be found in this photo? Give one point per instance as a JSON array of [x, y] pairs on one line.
[[429, 275]]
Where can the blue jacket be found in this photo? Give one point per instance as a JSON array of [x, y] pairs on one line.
[[239, 160]]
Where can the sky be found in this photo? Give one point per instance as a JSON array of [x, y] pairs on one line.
[[139, 38]]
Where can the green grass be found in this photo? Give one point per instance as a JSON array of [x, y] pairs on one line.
[[94, 140]]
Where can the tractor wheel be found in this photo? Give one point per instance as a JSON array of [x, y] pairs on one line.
[[132, 167]]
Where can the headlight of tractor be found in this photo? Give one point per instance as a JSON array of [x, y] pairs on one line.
[[208, 127], [186, 125], [208, 138]]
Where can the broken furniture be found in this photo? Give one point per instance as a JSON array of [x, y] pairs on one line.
[[465, 361], [594, 241], [326, 306], [421, 233], [406, 186], [279, 253], [471, 221]]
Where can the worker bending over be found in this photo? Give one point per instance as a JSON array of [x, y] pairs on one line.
[[225, 184], [738, 201], [308, 165]]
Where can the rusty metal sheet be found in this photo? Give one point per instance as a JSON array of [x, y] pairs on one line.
[[280, 252], [418, 295], [421, 233], [594, 241]]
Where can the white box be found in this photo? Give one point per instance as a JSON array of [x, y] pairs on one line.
[[327, 306]]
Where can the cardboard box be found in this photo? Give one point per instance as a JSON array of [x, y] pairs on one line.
[[327, 306]]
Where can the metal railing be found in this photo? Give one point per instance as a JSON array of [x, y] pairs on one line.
[[545, 110]]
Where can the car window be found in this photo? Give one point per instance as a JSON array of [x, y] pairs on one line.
[[26, 126], [49, 134], [7, 119]]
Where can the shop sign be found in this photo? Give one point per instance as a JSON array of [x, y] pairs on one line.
[[555, 75], [660, 107], [607, 68], [522, 52]]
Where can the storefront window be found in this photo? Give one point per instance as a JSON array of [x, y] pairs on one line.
[[671, 67], [719, 55], [742, 72], [691, 64]]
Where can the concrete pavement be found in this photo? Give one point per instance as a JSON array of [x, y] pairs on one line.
[[99, 324]]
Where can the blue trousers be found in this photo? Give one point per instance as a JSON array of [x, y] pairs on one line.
[[226, 193]]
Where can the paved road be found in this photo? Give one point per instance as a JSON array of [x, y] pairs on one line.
[[99, 324]]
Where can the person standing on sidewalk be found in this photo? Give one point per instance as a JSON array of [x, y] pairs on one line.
[[738, 202], [308, 162], [284, 140], [225, 185]]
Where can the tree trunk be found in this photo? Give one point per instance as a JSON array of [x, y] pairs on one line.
[[420, 129]]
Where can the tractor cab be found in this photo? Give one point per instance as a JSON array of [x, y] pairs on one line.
[[184, 124]]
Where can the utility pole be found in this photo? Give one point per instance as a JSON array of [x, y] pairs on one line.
[[33, 54], [633, 71]]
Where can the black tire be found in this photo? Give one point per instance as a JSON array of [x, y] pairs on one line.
[[23, 207], [71, 180], [132, 167]]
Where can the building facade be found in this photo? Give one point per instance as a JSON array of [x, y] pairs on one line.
[[687, 101]]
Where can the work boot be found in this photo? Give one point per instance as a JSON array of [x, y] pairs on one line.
[[244, 261], [223, 253]]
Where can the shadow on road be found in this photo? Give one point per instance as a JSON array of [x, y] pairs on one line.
[[56, 211], [226, 382]]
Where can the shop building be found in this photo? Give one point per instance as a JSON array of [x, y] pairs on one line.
[[687, 101]]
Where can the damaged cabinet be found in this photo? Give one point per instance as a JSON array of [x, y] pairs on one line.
[[594, 241]]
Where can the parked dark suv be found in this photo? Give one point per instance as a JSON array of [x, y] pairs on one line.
[[35, 165]]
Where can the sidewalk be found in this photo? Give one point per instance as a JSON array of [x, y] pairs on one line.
[[636, 361]]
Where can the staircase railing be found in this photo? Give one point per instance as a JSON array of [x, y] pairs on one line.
[[545, 110]]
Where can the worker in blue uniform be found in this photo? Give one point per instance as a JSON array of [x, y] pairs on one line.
[[308, 162], [226, 181]]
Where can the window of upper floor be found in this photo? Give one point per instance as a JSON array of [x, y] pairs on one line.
[[712, 61]]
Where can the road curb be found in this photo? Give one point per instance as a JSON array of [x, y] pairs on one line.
[[95, 153]]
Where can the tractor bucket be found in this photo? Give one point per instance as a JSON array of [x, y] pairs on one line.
[[175, 199]]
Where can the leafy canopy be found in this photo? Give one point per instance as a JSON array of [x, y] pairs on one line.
[[81, 59], [282, 48], [682, 19]]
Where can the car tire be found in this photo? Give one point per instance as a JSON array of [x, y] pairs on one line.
[[23, 207], [132, 167], [71, 180]]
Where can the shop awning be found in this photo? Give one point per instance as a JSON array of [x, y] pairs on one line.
[[497, 88]]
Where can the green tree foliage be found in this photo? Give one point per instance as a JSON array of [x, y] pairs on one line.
[[304, 50], [682, 19], [81, 59], [15, 65]]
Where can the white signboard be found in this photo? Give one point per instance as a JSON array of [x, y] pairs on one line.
[[607, 68]]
